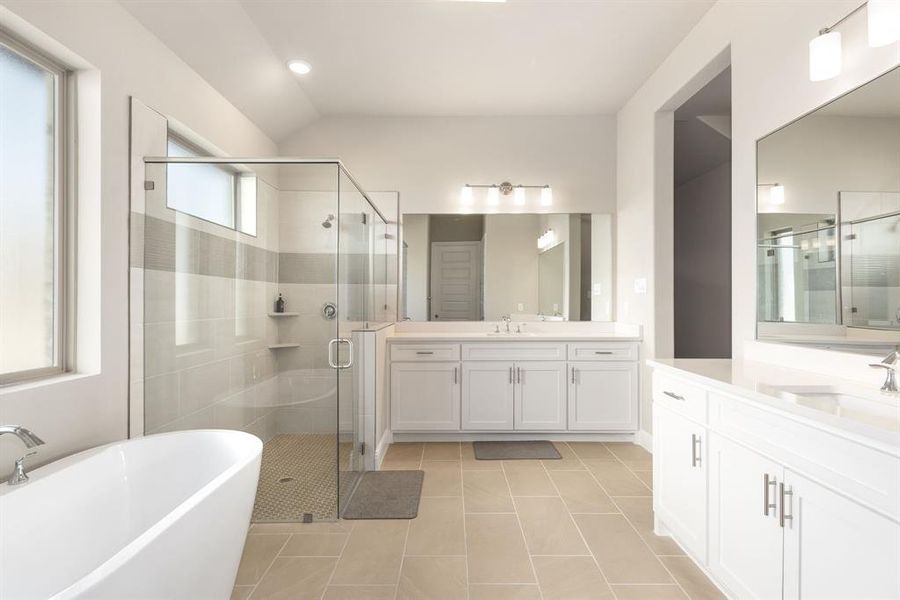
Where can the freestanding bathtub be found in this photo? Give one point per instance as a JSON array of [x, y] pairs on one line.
[[164, 516]]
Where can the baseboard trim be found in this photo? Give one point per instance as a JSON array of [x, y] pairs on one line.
[[644, 440], [387, 438], [457, 436]]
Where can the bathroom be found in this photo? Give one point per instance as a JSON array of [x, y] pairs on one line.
[[338, 156]]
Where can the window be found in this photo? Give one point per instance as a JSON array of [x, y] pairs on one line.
[[32, 194], [221, 194]]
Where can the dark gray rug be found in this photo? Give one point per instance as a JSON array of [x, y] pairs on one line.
[[386, 495], [539, 450]]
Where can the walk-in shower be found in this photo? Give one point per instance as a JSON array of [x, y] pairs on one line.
[[222, 240]]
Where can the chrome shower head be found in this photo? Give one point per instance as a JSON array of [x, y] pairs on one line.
[[327, 222]]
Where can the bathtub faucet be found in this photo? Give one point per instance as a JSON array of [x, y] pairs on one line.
[[31, 441]]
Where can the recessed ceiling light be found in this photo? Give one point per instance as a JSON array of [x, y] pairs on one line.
[[300, 67]]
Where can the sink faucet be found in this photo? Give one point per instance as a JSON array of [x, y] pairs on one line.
[[506, 319], [31, 441], [890, 365]]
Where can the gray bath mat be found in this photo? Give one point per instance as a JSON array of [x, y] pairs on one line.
[[386, 495], [539, 450]]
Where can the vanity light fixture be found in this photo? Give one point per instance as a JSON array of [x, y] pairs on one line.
[[300, 67], [546, 240], [884, 22], [776, 193], [825, 55], [495, 191]]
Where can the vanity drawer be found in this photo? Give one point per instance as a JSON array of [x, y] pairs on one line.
[[424, 352], [514, 351], [681, 396], [603, 351]]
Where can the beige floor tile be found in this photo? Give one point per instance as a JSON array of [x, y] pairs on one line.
[[438, 530], [616, 478], [442, 478], [646, 477], [373, 553], [322, 527], [581, 493], [548, 527], [621, 553], [441, 451], [565, 463], [504, 592], [470, 463], [400, 465], [360, 592], [241, 592], [640, 512], [648, 592], [496, 550], [315, 544], [594, 450], [432, 578], [259, 552], [509, 465], [629, 453], [405, 451], [570, 578], [486, 491], [529, 481], [691, 579], [295, 578]]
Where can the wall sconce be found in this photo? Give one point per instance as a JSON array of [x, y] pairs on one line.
[[495, 191], [825, 51], [776, 193]]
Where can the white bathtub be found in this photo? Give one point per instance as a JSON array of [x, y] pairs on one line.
[[159, 517]]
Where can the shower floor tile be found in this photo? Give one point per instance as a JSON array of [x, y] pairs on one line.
[[298, 476]]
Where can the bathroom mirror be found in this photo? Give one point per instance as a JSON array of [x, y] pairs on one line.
[[481, 267], [828, 222]]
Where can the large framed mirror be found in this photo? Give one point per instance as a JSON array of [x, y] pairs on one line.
[[828, 222], [483, 267]]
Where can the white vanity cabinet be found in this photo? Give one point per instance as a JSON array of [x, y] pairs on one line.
[[516, 385], [784, 508]]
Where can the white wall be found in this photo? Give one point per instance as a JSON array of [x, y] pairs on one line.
[[91, 408], [429, 159], [510, 265], [767, 43], [417, 252]]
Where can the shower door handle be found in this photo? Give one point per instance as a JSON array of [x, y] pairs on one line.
[[331, 356], [349, 343], [331, 344]]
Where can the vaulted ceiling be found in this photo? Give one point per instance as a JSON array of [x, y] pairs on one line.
[[421, 58]]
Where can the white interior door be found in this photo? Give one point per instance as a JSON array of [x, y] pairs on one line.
[[456, 281]]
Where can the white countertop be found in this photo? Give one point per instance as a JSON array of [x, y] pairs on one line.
[[543, 336], [870, 416]]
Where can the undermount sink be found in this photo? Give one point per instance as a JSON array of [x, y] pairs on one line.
[[510, 334], [837, 402]]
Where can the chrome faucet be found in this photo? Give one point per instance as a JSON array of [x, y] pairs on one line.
[[506, 319], [31, 441], [890, 365]]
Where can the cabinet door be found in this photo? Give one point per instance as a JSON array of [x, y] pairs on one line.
[[836, 548], [680, 478], [425, 396], [603, 396], [540, 399], [487, 396], [745, 540]]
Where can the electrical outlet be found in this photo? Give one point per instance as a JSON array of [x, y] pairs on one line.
[[520, 307]]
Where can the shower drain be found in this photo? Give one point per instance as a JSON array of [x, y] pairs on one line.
[[285, 480]]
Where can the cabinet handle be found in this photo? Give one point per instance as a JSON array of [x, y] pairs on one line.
[[674, 395], [603, 352], [695, 447], [782, 493], [424, 352], [767, 483], [518, 374], [573, 374], [455, 374]]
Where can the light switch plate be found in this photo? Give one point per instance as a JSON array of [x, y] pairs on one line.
[[520, 307]]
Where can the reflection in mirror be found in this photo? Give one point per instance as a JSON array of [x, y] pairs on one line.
[[477, 267], [828, 222]]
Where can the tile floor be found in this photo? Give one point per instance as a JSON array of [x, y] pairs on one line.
[[576, 528]]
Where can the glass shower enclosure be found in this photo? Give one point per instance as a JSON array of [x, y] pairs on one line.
[[258, 275]]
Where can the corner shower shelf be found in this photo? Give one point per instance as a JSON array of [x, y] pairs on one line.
[[285, 314], [280, 346]]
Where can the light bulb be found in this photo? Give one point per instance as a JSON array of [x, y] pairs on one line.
[[465, 196], [519, 196], [825, 57], [546, 196], [884, 22], [776, 194], [493, 196], [300, 67]]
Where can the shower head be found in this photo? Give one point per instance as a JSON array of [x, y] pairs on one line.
[[327, 222]]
